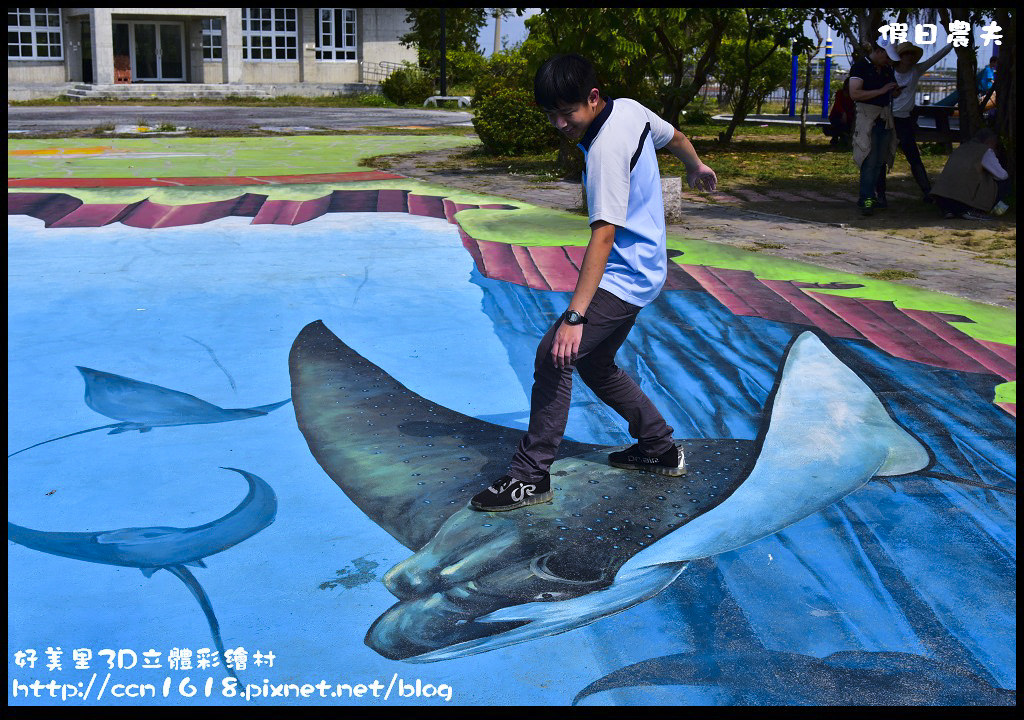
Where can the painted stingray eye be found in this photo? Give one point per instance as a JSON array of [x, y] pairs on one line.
[[544, 596]]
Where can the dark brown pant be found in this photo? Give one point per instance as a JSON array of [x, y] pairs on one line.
[[609, 321]]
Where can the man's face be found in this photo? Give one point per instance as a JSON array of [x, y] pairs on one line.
[[574, 119]]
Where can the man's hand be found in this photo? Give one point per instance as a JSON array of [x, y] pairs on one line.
[[566, 344], [702, 178]]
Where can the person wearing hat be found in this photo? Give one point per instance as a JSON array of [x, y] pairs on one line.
[[908, 72], [872, 86]]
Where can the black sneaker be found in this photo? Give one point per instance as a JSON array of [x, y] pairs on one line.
[[670, 462], [868, 207], [508, 494]]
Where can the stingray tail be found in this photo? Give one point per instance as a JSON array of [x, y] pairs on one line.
[[80, 432], [270, 408], [204, 602]]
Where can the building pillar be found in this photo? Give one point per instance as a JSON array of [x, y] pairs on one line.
[[101, 25], [194, 52], [307, 44], [232, 51]]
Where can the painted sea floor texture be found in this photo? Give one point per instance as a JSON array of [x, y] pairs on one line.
[[177, 340]]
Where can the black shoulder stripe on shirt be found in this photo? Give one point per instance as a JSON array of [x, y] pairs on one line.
[[640, 146]]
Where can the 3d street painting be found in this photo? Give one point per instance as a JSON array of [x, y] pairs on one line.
[[845, 533]]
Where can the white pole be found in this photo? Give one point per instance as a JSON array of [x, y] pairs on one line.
[[497, 33]]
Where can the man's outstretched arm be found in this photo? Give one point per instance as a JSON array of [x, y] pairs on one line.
[[698, 175]]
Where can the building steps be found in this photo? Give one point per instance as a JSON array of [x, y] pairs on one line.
[[193, 91], [162, 91]]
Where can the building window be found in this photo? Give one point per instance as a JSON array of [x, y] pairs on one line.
[[34, 34], [336, 34], [213, 43], [270, 34]]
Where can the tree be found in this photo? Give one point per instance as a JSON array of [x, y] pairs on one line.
[[966, 70], [809, 52], [615, 40], [764, 31], [689, 41], [658, 56], [1006, 89], [857, 26], [462, 27]]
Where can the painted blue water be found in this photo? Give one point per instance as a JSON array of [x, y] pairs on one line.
[[211, 310]]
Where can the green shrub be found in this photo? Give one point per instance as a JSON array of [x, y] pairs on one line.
[[501, 70], [462, 66], [407, 86], [374, 100], [697, 116], [509, 123]]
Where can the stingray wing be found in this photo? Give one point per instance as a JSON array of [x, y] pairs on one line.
[[406, 462], [124, 398]]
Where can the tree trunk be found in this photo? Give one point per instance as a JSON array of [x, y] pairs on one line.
[[683, 96], [1006, 91], [570, 160], [966, 77], [739, 112], [803, 106]]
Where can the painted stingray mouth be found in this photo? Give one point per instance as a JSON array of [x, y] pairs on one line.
[[405, 632], [447, 623]]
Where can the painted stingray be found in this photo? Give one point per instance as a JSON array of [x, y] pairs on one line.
[[143, 406], [727, 655], [611, 538], [847, 677], [164, 548]]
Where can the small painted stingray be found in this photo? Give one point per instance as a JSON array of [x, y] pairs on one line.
[[847, 677], [142, 406], [729, 656], [164, 548]]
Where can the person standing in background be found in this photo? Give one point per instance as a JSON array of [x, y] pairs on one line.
[[872, 86], [908, 72]]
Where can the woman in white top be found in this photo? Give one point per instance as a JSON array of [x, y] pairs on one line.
[[908, 72]]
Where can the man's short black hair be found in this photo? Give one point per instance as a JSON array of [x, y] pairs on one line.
[[563, 80]]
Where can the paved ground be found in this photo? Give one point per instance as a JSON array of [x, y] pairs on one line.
[[948, 270], [71, 118]]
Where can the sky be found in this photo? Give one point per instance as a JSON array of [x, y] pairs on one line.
[[513, 30]]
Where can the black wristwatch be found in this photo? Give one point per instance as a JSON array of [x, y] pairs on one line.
[[572, 317]]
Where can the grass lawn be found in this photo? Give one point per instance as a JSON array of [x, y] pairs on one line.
[[190, 156]]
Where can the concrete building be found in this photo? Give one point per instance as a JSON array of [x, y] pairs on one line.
[[182, 51]]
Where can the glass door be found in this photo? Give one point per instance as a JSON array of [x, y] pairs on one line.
[[145, 52], [172, 66], [158, 51]]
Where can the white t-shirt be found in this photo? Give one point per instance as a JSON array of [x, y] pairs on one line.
[[990, 162], [903, 104], [623, 186]]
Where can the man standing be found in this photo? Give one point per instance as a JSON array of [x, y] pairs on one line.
[[623, 270], [872, 86]]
